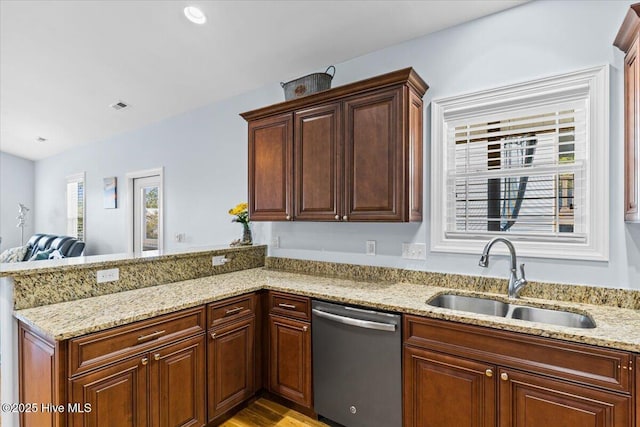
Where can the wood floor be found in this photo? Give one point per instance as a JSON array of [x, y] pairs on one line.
[[265, 413]]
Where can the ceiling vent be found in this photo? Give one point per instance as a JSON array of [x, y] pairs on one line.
[[120, 105]]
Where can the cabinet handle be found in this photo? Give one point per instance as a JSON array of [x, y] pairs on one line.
[[156, 356], [287, 306], [488, 373], [504, 376], [144, 361], [337, 217], [345, 218], [233, 311], [288, 217], [305, 328], [151, 335], [213, 335]]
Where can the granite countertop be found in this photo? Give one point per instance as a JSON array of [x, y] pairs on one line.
[[615, 327]]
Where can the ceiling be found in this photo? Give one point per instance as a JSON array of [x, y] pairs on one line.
[[63, 63]]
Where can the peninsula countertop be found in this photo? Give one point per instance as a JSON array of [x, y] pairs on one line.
[[617, 328]]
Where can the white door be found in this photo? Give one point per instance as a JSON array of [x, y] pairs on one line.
[[147, 214]]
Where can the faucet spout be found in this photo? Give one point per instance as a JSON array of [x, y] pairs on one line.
[[515, 284]]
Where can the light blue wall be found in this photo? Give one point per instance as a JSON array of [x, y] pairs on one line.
[[16, 186], [204, 151]]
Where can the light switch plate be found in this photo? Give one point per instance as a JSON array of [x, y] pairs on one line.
[[414, 251], [371, 247], [111, 275]]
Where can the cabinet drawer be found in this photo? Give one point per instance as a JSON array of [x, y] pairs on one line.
[[560, 359], [101, 348], [290, 305], [230, 309]]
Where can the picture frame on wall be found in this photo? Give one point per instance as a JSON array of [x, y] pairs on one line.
[[111, 192]]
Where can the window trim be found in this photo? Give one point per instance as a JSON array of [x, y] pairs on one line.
[[531, 93]]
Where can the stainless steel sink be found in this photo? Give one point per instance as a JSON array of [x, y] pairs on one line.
[[513, 311], [554, 317], [471, 304]]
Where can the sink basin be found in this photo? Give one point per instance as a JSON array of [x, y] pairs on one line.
[[471, 304], [491, 307], [554, 317]]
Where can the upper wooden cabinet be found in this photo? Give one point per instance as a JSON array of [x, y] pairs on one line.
[[627, 41], [352, 153]]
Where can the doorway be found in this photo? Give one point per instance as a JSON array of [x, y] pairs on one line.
[[145, 212]]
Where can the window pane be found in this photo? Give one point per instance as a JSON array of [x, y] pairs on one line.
[[150, 219]]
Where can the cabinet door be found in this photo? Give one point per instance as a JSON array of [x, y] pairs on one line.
[[632, 133], [318, 163], [374, 157], [231, 360], [117, 395], [290, 359], [177, 384], [527, 400], [637, 392], [444, 391], [270, 168]]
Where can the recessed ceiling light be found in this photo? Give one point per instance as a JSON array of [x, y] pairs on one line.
[[40, 139], [195, 15]]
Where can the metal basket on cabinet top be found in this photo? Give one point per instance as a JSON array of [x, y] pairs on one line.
[[309, 84]]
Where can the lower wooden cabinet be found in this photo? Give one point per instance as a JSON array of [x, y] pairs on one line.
[[290, 359], [443, 390], [463, 375], [163, 388], [231, 363], [117, 395], [527, 400]]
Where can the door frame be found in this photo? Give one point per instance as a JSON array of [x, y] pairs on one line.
[[130, 177]]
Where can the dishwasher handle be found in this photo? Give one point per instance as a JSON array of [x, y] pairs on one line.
[[367, 324]]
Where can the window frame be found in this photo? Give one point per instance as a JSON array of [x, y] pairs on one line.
[[531, 94], [76, 178]]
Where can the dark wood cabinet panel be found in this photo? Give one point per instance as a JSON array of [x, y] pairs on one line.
[[231, 361], [528, 400], [318, 163], [374, 160], [628, 40], [415, 171], [637, 391], [41, 378], [444, 391], [117, 395], [270, 168], [290, 359], [177, 384]]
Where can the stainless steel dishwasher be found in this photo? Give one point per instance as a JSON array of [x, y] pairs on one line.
[[357, 371]]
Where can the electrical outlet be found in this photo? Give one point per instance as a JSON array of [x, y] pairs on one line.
[[179, 237], [111, 275], [414, 251], [275, 242], [371, 247], [219, 260]]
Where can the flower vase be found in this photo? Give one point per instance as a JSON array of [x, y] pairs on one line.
[[247, 239]]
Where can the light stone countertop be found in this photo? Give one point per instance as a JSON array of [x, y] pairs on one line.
[[615, 327]]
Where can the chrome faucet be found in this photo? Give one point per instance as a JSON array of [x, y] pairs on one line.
[[515, 284]]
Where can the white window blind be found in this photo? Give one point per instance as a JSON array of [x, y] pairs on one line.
[[528, 162], [518, 173], [75, 206]]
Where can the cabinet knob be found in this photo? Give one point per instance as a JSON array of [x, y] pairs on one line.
[[345, 218], [156, 356], [213, 335], [504, 376], [305, 328], [144, 361], [288, 217], [337, 217], [488, 373]]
